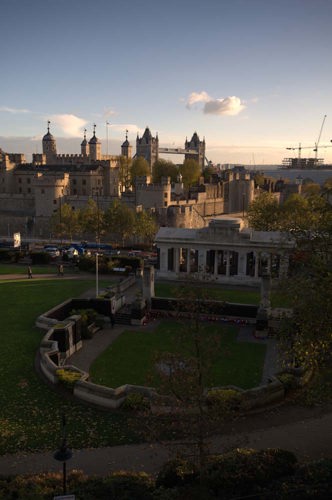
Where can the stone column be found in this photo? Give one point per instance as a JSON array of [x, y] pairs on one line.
[[188, 260], [242, 262], [201, 260], [176, 259], [284, 263], [228, 266], [215, 268], [257, 257]]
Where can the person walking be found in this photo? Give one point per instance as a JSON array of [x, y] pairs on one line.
[[29, 272]]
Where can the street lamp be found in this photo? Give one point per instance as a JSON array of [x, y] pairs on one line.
[[107, 124], [96, 190], [63, 454]]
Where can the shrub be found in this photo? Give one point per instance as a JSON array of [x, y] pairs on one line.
[[310, 481], [242, 471], [68, 377], [125, 485], [88, 317], [289, 381], [135, 402], [40, 258], [175, 473], [224, 399]]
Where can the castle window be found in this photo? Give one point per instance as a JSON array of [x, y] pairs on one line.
[[20, 180], [20, 190], [74, 181], [54, 202], [74, 191], [165, 195], [28, 180], [29, 190], [84, 182], [42, 191], [165, 203]]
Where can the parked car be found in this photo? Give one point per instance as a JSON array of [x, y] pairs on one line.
[[54, 252]]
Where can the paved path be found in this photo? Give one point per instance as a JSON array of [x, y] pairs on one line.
[[309, 438]]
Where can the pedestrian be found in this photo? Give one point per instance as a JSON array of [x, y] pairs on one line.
[[29, 272], [61, 269]]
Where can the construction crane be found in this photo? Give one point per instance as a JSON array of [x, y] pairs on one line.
[[320, 133], [315, 149]]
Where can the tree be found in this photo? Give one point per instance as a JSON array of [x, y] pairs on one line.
[[92, 219], [119, 220], [124, 172], [186, 374], [190, 171], [146, 226], [208, 172], [139, 167], [163, 168], [307, 338], [65, 223], [263, 213]]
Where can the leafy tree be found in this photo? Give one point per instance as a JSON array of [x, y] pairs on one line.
[[185, 375], [164, 168], [139, 167], [263, 212], [65, 223], [124, 172], [208, 172], [310, 188], [307, 338], [259, 180], [146, 226], [190, 171], [92, 219], [119, 220]]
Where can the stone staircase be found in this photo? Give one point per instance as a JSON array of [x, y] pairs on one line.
[[123, 316]]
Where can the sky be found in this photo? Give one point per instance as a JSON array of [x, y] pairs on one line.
[[252, 77]]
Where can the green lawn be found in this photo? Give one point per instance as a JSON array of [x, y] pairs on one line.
[[130, 359], [30, 414], [219, 293], [22, 269]]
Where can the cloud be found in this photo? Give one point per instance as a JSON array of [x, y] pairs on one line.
[[71, 125], [196, 97], [5, 109], [231, 105]]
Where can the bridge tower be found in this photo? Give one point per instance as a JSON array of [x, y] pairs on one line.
[[148, 147], [198, 146]]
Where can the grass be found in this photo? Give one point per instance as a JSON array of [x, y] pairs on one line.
[[130, 359], [30, 415], [23, 269], [217, 292]]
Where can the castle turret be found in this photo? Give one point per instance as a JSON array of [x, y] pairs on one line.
[[148, 147], [85, 148], [49, 145], [126, 148], [95, 146]]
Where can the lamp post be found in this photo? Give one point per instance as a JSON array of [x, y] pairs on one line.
[[63, 454], [96, 190], [107, 124]]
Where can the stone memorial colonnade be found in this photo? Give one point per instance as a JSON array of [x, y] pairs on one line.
[[224, 251]]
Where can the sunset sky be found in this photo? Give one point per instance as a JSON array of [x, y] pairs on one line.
[[251, 76]]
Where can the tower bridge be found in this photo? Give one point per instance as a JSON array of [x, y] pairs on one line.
[[147, 146]]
